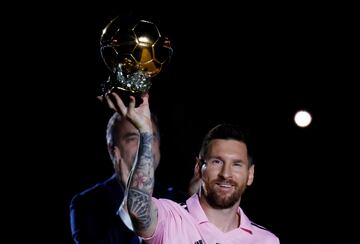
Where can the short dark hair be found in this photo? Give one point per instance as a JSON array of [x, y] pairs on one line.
[[227, 132]]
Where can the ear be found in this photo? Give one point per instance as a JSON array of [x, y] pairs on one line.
[[197, 168], [110, 150], [251, 175], [195, 182]]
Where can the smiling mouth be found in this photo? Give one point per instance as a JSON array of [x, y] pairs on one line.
[[224, 187]]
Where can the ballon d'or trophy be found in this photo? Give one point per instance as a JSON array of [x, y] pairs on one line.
[[134, 51]]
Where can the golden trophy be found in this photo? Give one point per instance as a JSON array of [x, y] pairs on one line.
[[134, 51]]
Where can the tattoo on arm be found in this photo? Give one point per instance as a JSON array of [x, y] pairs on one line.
[[142, 185]]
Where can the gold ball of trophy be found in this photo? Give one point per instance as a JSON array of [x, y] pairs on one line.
[[134, 51]]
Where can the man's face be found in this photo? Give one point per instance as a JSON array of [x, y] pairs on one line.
[[128, 140], [226, 173]]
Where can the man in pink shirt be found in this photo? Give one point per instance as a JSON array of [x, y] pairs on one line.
[[212, 215]]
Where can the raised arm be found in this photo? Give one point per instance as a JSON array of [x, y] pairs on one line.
[[142, 211], [141, 185]]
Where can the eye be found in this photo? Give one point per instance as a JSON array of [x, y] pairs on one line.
[[238, 164], [131, 139], [215, 161]]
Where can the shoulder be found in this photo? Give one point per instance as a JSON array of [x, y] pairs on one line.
[[87, 195], [258, 226], [264, 232], [102, 191], [168, 205]]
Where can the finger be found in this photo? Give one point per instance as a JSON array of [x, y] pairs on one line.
[[120, 107], [132, 103], [145, 94], [100, 98], [145, 98], [109, 103]]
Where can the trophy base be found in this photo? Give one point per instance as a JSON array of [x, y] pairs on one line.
[[125, 96]]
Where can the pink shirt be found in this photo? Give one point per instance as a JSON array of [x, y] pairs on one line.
[[176, 225]]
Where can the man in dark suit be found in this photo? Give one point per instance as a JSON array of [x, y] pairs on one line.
[[96, 214]]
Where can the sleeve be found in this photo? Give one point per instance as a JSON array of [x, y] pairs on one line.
[[170, 218], [157, 236]]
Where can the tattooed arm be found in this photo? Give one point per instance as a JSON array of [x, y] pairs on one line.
[[142, 211]]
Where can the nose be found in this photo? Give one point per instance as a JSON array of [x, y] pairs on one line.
[[225, 171]]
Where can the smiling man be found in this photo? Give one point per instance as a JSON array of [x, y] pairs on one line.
[[213, 214]]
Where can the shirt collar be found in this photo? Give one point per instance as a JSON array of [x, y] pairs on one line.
[[245, 223], [196, 211]]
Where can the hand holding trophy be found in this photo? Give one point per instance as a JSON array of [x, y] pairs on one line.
[[134, 51]]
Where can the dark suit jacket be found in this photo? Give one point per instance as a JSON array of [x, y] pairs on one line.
[[93, 213]]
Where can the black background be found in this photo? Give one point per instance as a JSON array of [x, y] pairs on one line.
[[252, 65]]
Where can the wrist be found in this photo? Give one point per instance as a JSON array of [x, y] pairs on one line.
[[145, 130]]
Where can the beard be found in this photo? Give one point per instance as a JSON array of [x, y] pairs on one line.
[[219, 200]]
